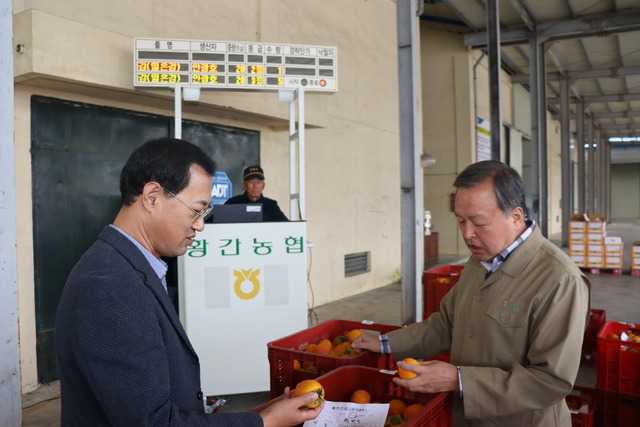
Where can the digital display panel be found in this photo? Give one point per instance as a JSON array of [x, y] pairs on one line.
[[234, 65]]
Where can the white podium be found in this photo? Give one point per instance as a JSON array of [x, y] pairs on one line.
[[240, 287]]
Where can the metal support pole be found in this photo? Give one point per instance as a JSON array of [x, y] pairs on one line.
[[580, 152], [596, 171], [296, 137], [301, 155], [177, 106], [493, 34], [293, 138], [10, 382], [590, 167], [542, 143], [565, 159], [538, 132], [607, 146], [602, 149], [410, 131]]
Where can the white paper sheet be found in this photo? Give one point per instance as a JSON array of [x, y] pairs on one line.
[[347, 414]]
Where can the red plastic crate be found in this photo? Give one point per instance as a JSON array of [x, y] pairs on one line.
[[578, 397], [340, 383], [588, 358], [284, 351], [614, 409], [618, 361], [597, 320], [436, 283]]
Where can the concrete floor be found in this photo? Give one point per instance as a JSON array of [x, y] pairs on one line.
[[619, 296]]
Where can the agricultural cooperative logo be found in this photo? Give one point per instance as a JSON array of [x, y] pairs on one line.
[[243, 276]]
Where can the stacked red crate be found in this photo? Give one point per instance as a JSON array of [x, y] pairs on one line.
[[436, 282], [285, 353], [618, 374], [339, 384]]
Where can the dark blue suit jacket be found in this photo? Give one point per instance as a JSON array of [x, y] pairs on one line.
[[123, 357]]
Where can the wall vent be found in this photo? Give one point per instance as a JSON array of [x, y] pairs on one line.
[[356, 263]]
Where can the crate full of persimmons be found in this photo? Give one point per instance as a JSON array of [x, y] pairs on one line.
[[619, 358], [315, 351], [363, 385]]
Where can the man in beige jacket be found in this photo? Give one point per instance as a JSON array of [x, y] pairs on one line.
[[514, 322]]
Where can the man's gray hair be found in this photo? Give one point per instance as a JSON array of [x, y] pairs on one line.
[[507, 183]]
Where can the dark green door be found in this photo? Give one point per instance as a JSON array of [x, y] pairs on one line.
[[78, 151]]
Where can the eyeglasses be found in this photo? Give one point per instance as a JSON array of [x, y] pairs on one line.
[[199, 214]]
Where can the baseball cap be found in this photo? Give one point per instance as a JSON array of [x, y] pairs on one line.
[[253, 172]]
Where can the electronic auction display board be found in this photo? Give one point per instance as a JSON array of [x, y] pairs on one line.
[[234, 65]]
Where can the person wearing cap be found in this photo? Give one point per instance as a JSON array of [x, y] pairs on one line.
[[253, 184]]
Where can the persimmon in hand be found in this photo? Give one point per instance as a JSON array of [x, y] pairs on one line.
[[308, 386], [405, 374]]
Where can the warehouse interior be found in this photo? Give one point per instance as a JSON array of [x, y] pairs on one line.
[[550, 87]]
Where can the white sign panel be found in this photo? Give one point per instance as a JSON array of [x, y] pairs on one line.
[[242, 286], [234, 65], [483, 140]]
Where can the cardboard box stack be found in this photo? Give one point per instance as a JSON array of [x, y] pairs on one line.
[[613, 252], [578, 241], [589, 245], [635, 259]]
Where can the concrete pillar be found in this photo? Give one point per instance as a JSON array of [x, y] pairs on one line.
[[10, 387], [537, 83], [411, 204], [581, 153], [565, 159], [495, 100]]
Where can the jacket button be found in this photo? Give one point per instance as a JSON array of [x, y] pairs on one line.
[[200, 395], [478, 297], [469, 334], [505, 320]]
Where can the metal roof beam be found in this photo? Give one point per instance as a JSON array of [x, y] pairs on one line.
[[556, 61], [585, 27], [583, 74], [619, 97], [609, 115], [460, 15], [630, 126], [524, 13], [616, 115]]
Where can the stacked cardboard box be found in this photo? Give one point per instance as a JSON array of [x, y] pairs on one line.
[[578, 242], [595, 253], [635, 259], [613, 252], [589, 246]]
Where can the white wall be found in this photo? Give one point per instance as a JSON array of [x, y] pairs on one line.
[[83, 51], [448, 125]]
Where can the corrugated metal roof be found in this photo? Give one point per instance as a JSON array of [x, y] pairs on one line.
[[602, 36]]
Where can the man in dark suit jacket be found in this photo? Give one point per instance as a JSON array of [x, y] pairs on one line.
[[123, 356], [253, 184]]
